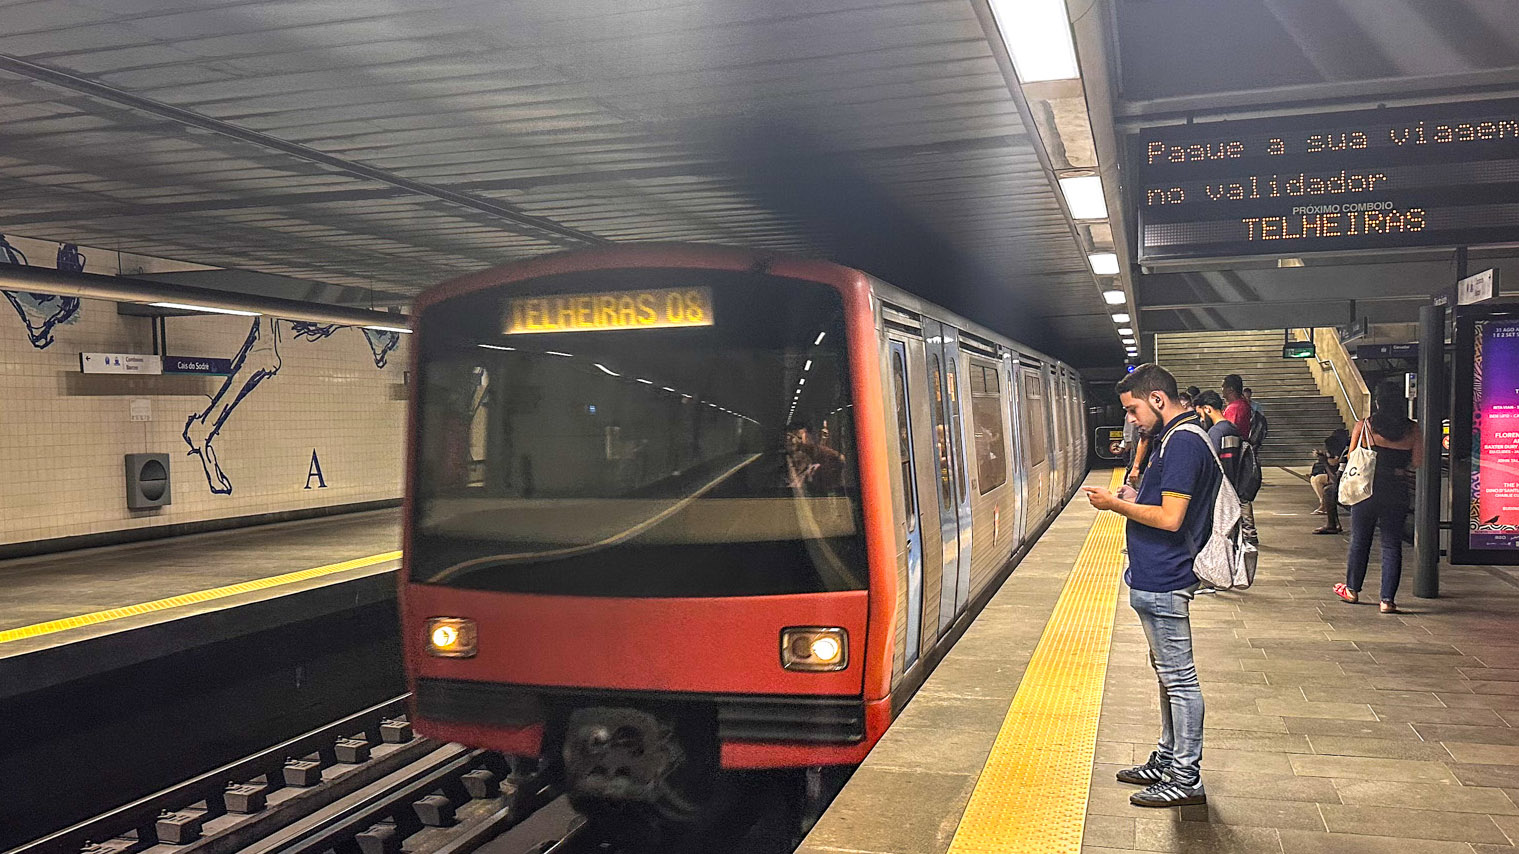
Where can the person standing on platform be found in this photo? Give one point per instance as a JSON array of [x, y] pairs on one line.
[[1230, 447], [1396, 441], [1169, 519], [1237, 409]]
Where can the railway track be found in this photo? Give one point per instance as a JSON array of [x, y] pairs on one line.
[[367, 785], [362, 784]]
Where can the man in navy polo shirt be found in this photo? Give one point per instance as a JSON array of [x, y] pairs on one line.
[[1169, 520]]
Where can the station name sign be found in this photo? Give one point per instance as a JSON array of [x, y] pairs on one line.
[[1444, 175], [605, 311]]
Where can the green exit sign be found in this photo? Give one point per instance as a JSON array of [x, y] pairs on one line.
[[1299, 350]]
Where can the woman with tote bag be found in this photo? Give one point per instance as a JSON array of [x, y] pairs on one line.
[[1382, 456]]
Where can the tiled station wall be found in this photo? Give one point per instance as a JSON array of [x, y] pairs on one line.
[[302, 390]]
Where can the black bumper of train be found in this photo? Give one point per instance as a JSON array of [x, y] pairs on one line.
[[739, 717]]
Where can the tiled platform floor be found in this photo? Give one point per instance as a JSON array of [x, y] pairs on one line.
[[1330, 727], [52, 587]]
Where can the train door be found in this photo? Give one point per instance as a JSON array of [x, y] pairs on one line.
[[1035, 433], [914, 528], [949, 455], [1052, 411], [1056, 382], [1067, 434], [1015, 451]]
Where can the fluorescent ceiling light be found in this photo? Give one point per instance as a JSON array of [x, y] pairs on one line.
[[496, 347], [1038, 35], [606, 370], [1083, 196], [1130, 341], [557, 353], [1114, 297], [819, 339], [1127, 330], [808, 366], [645, 382], [1120, 317], [1105, 264], [401, 329], [205, 308]]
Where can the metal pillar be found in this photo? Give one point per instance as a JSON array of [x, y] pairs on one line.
[[1432, 392]]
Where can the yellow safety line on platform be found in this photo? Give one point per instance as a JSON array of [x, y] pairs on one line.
[[1032, 794], [190, 598]]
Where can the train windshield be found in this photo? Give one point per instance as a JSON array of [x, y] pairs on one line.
[[660, 433]]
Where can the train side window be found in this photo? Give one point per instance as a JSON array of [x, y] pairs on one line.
[[904, 439], [986, 419], [1034, 425]]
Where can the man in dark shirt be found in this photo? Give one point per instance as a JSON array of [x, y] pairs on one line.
[[1168, 521], [1226, 439], [1229, 445]]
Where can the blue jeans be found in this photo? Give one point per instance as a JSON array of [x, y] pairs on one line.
[[1385, 510], [1168, 629]]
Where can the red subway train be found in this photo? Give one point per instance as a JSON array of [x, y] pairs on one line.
[[674, 510]]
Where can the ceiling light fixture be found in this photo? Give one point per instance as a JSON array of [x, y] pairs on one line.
[[1114, 297], [1127, 330], [1120, 317], [1083, 195], [1104, 263], [1038, 35], [399, 329], [205, 308]]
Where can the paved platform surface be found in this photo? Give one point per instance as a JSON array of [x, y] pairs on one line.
[[1330, 727], [62, 598]]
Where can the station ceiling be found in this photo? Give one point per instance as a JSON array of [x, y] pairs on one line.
[[389, 145]]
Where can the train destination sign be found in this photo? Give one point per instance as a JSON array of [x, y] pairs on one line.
[[609, 310], [1444, 175]]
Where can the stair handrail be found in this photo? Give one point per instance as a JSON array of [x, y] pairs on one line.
[[1331, 354]]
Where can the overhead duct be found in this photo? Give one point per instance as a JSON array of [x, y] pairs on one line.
[[130, 290]]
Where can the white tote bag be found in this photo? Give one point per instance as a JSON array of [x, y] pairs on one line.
[[1360, 469]]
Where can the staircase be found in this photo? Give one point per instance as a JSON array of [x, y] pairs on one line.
[[1299, 417]]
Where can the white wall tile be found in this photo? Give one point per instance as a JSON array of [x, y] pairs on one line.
[[65, 452]]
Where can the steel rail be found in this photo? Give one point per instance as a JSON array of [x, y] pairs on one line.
[[141, 816]]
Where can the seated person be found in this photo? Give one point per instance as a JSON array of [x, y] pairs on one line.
[[1325, 478]]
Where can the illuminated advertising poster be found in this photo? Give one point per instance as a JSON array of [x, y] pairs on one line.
[[1486, 470], [1495, 437]]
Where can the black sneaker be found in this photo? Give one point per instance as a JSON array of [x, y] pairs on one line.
[[1153, 771], [1169, 794]]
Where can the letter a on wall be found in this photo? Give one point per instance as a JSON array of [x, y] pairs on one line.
[[315, 471]]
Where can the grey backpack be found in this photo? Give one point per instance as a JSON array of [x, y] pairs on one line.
[[1227, 560]]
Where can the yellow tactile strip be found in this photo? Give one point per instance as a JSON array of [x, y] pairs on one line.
[[1032, 794], [190, 598]]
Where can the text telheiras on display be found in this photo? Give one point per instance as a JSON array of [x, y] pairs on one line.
[[1438, 175]]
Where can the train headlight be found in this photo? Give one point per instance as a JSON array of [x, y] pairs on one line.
[[814, 649], [451, 637]]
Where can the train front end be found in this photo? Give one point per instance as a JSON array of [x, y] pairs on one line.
[[639, 511]]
